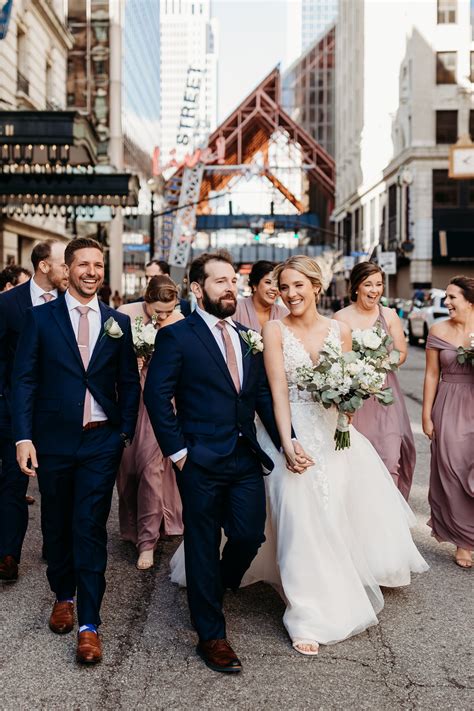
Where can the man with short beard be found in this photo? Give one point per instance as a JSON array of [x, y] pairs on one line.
[[49, 280], [203, 365], [75, 404]]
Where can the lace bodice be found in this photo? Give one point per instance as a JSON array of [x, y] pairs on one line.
[[295, 356]]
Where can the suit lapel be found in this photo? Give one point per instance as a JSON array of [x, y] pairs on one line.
[[105, 313], [61, 314], [204, 334], [246, 357], [23, 297]]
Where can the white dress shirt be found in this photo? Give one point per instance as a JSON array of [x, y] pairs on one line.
[[36, 292], [211, 322], [95, 327]]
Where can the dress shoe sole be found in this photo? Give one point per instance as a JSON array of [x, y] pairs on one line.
[[8, 580], [225, 670], [87, 662], [57, 630]]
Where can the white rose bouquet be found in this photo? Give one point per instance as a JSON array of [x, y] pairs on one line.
[[344, 381], [373, 347], [143, 337]]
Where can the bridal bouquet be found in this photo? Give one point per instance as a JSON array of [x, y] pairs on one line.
[[143, 337], [344, 381], [466, 355], [373, 346]]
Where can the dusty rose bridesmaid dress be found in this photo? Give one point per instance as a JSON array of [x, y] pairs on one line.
[[451, 492], [149, 501], [388, 429]]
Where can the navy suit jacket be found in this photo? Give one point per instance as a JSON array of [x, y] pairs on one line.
[[187, 365], [49, 379], [13, 307]]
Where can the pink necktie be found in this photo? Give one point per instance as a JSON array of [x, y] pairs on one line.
[[47, 297], [83, 343], [230, 354]]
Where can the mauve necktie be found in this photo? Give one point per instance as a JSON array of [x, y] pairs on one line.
[[230, 354], [47, 297], [83, 343]]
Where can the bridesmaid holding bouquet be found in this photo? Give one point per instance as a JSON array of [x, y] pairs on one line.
[[149, 501], [448, 421], [387, 428]]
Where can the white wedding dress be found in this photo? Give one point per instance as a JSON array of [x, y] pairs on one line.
[[336, 533]]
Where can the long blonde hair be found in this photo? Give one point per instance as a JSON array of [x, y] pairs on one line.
[[304, 265]]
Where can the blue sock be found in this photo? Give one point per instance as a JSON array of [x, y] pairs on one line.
[[88, 628], [65, 599]]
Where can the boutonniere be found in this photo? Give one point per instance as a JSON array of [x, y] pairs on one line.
[[253, 341], [112, 329]]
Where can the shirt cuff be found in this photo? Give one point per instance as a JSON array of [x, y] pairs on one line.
[[178, 455], [23, 440]]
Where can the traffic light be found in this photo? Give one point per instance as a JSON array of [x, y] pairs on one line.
[[296, 235]]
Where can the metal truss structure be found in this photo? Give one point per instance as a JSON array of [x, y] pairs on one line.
[[247, 131]]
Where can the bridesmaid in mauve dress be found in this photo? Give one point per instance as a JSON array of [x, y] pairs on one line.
[[255, 310], [149, 501], [386, 427], [448, 421]]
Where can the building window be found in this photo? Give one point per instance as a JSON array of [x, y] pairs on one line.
[[446, 12], [446, 67], [446, 126], [445, 190]]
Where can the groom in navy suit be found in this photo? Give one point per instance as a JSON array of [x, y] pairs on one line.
[[217, 383], [75, 403]]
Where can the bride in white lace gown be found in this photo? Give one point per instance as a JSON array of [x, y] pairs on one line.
[[341, 529]]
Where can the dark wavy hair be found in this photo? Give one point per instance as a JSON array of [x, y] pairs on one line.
[[466, 284], [258, 271], [360, 273], [80, 243], [198, 272], [161, 288]]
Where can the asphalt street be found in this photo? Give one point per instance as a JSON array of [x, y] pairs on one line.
[[420, 656]]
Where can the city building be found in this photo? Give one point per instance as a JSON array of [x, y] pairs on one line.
[[188, 75], [309, 90], [307, 21], [404, 96], [33, 63]]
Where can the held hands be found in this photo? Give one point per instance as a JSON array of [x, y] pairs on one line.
[[26, 458], [297, 461]]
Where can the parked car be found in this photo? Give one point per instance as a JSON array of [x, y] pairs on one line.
[[422, 317]]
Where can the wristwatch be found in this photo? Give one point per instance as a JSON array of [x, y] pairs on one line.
[[125, 439]]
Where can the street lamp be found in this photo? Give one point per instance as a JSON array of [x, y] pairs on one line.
[[154, 186]]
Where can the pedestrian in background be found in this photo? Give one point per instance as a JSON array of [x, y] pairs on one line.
[[255, 310], [448, 421], [149, 500], [49, 280], [116, 299], [387, 428]]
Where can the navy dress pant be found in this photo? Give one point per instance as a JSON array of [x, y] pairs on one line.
[[13, 488], [232, 499], [76, 495]]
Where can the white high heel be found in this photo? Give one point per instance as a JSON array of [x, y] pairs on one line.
[[307, 642]]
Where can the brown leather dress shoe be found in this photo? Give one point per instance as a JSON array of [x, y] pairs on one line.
[[8, 569], [62, 617], [219, 655], [89, 648]]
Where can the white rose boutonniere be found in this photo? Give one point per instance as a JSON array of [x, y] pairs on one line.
[[253, 340], [112, 329]]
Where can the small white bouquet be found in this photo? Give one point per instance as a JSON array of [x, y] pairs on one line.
[[344, 381], [143, 337], [466, 355], [373, 346]]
